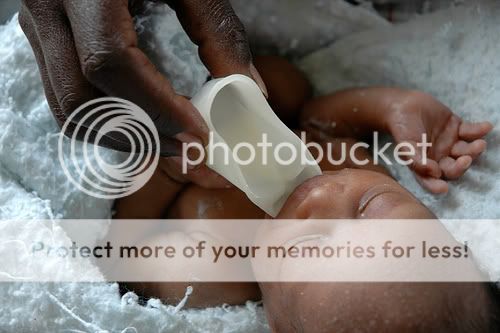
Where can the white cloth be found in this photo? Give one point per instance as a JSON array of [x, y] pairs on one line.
[[294, 28], [32, 185], [454, 55]]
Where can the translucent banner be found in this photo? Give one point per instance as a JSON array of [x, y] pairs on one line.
[[240, 251]]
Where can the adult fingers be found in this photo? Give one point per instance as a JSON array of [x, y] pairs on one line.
[[220, 36], [28, 26], [106, 45], [65, 87], [27, 23]]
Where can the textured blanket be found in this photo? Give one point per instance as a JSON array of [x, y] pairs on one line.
[[451, 55]]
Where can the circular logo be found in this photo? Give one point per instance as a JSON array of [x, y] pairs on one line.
[[129, 127]]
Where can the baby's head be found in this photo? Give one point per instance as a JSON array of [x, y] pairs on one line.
[[370, 307], [353, 194], [383, 307]]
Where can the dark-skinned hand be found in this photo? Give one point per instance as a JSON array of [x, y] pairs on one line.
[[87, 49]]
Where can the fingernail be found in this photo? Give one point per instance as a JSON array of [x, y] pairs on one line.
[[258, 79]]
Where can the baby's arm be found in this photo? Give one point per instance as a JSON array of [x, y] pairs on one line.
[[152, 200], [409, 116], [352, 113]]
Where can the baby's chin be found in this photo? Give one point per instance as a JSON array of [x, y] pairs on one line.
[[353, 194]]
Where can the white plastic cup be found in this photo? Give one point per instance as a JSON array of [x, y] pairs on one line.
[[239, 116]]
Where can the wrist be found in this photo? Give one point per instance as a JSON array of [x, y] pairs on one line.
[[397, 107]]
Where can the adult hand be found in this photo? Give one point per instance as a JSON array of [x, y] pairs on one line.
[[88, 48]]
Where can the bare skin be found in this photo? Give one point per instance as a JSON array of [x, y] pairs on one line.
[[372, 307], [89, 49], [385, 198], [406, 115]]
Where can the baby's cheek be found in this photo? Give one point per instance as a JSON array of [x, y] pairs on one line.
[[199, 203]]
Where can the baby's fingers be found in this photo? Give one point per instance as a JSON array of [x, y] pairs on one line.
[[428, 168], [473, 149], [433, 185], [454, 169], [473, 131], [423, 166]]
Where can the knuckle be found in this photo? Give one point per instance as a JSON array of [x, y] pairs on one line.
[[102, 59], [68, 103], [228, 24], [229, 28]]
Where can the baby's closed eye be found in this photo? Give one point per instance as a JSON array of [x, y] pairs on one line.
[[381, 198]]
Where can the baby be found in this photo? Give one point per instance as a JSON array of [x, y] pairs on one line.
[[359, 192]]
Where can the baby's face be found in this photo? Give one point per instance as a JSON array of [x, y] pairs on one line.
[[353, 194], [351, 306]]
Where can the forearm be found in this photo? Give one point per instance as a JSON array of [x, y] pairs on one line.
[[354, 112]]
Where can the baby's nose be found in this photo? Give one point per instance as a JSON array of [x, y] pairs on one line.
[[325, 197]]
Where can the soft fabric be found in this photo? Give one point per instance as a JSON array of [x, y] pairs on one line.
[[32, 185], [454, 55], [295, 28]]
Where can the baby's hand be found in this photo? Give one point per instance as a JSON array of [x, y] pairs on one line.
[[455, 143]]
